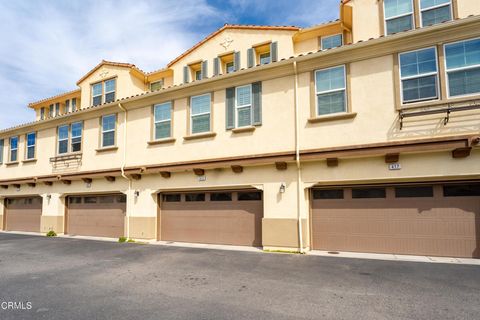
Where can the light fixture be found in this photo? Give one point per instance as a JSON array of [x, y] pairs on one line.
[[49, 196], [136, 193], [282, 188]]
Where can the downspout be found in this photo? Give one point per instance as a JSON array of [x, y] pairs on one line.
[[124, 163], [297, 161]]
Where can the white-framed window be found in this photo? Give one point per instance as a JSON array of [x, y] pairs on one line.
[[110, 90], [462, 65], [330, 85], [96, 94], [108, 130], [157, 85], [13, 149], [265, 58], [198, 74], [332, 41], [435, 11], [31, 139], [243, 106], [63, 137], [67, 144], [42, 113], [200, 113], [50, 111], [398, 15], [162, 120], [67, 106], [230, 67], [419, 75], [74, 104], [57, 109], [2, 142]]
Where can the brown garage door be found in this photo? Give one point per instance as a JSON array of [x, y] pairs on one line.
[[23, 214], [223, 217], [436, 220], [97, 215]]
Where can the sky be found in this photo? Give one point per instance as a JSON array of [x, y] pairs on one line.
[[48, 45]]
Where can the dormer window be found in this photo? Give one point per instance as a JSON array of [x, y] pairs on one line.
[[265, 58], [50, 111], [229, 67], [330, 42], [157, 85], [398, 15], [435, 11], [67, 106], [263, 53], [198, 74], [103, 92], [57, 109], [42, 113]]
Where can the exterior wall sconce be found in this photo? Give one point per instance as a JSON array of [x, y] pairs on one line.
[[282, 188], [136, 193], [49, 196]]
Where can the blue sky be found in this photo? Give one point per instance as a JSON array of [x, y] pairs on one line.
[[48, 45]]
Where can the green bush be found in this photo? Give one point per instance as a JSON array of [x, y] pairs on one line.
[[51, 233], [131, 240], [122, 239]]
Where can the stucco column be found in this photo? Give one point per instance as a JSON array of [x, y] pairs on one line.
[[53, 212], [2, 212], [142, 213]]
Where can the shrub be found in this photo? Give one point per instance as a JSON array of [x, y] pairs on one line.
[[131, 240], [122, 239], [51, 233]]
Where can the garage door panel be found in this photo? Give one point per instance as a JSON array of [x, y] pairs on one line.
[[441, 226], [23, 214]]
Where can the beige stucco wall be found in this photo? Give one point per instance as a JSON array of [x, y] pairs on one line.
[[366, 19], [242, 40], [467, 8]]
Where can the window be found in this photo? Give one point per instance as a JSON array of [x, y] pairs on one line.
[[264, 58], [108, 130], [13, 149], [90, 200], [398, 15], [249, 196], [74, 104], [414, 192], [461, 190], [364, 193], [172, 197], [220, 196], [157, 85], [330, 90], [121, 198], [50, 111], [462, 61], [230, 66], [75, 200], [106, 199], [63, 139], [198, 75], [67, 106], [243, 105], [200, 113], [2, 142], [64, 133], [110, 90], [97, 94], [435, 11], [328, 194], [194, 197], [163, 120], [31, 142], [331, 41], [57, 109], [419, 75], [42, 113]]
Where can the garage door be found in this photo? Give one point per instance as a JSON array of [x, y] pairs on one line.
[[436, 220], [97, 215], [221, 217], [23, 214]]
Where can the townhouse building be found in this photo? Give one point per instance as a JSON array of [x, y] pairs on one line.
[[359, 134]]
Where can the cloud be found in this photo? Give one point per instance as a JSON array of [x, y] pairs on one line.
[[48, 45]]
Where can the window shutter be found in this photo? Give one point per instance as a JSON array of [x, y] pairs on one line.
[[230, 108], [216, 66], [205, 69], [236, 61], [274, 51], [250, 60], [185, 74], [257, 103]]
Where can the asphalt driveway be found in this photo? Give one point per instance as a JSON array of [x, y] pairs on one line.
[[82, 279]]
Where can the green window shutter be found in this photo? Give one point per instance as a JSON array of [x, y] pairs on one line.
[[236, 61], [274, 51], [250, 58], [216, 66], [257, 103], [185, 74], [205, 69], [230, 108]]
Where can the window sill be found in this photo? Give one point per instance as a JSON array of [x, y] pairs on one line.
[[243, 129], [29, 160], [161, 141], [200, 136], [333, 117], [13, 163], [106, 149]]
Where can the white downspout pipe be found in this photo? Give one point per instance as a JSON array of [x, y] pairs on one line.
[[124, 163], [297, 160]]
